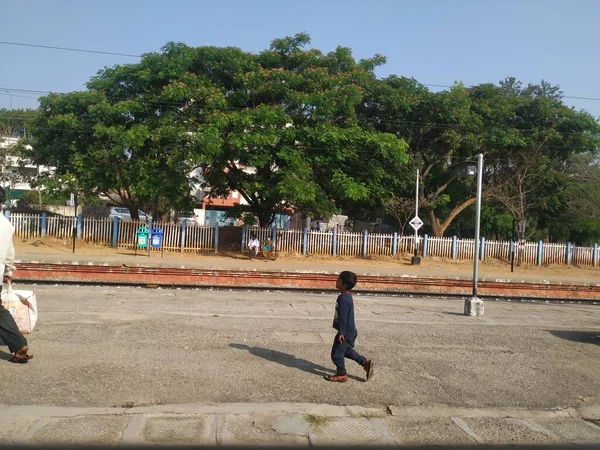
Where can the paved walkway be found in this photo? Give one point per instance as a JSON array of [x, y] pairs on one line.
[[124, 365], [429, 268], [296, 424]]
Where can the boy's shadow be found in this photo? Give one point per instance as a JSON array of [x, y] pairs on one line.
[[285, 359]]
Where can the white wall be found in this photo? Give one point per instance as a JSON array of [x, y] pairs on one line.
[[200, 216]]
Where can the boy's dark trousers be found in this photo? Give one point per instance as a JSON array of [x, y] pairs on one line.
[[345, 350]]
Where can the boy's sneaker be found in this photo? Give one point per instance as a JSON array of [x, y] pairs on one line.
[[337, 378], [369, 369]]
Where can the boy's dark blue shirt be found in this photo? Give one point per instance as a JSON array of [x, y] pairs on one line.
[[343, 321]]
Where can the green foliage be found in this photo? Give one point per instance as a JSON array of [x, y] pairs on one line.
[[115, 141], [33, 198], [282, 128], [527, 135], [293, 128], [15, 122]]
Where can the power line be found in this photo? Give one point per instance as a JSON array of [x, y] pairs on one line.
[[40, 92], [562, 96], [20, 96], [69, 49], [140, 56], [582, 98], [301, 147], [167, 105], [371, 121]]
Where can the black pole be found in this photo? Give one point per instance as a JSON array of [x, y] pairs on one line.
[[75, 221], [512, 247]]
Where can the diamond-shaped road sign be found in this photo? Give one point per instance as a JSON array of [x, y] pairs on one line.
[[416, 223]]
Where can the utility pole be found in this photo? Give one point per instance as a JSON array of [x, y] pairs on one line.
[[417, 215], [11, 99], [416, 223], [474, 305], [74, 220]]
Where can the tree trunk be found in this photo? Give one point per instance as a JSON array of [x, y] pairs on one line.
[[435, 223], [133, 211], [265, 218], [439, 228]]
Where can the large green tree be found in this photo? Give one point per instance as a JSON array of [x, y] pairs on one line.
[[526, 133], [123, 145], [580, 220], [439, 128], [281, 127], [534, 137]]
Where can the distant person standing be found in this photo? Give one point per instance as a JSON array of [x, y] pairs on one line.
[[9, 332]]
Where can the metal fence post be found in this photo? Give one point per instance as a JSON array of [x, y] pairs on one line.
[[365, 243], [568, 255], [540, 252], [454, 247], [115, 235], [511, 253], [595, 255], [79, 226], [335, 241], [44, 224], [183, 225], [482, 252], [274, 234], [425, 245], [244, 237], [216, 238], [305, 246], [395, 244]]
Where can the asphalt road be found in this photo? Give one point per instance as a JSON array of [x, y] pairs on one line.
[[99, 346]]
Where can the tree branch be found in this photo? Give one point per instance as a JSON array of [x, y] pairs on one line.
[[456, 211]]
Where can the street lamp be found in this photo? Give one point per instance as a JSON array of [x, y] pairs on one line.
[[11, 98], [474, 305]]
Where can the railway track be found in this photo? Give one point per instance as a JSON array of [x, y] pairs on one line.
[[298, 281]]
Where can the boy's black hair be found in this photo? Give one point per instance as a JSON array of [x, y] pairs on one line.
[[348, 279], [2, 195]]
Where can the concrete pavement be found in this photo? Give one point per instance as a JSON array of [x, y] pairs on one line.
[[140, 364], [296, 424]]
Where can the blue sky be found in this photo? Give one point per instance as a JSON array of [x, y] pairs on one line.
[[435, 41]]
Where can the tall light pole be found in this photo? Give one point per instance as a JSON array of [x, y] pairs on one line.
[[417, 215], [11, 99], [416, 223], [474, 305]]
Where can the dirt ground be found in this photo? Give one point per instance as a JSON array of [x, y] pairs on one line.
[[435, 265]]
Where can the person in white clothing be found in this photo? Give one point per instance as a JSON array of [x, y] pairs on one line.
[[9, 332], [254, 244]]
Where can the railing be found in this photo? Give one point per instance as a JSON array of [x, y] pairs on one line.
[[186, 238]]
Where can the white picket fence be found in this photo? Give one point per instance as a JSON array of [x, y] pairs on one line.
[[97, 231], [203, 238], [197, 238], [26, 226]]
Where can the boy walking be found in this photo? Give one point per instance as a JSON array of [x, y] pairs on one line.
[[343, 322]]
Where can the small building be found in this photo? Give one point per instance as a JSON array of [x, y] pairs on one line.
[[16, 174]]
